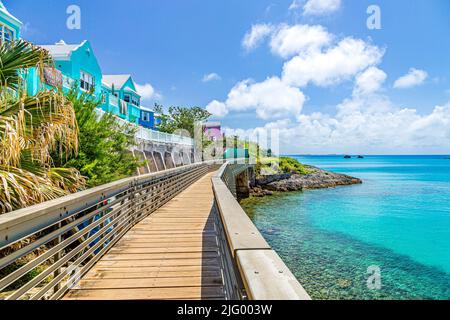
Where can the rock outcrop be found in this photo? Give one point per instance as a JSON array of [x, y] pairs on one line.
[[315, 179]]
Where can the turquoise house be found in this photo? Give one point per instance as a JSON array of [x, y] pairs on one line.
[[77, 64], [10, 26], [120, 96], [74, 63]]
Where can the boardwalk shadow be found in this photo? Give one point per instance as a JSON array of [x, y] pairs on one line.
[[212, 282]]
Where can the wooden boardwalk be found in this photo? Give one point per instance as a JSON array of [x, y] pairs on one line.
[[173, 254]]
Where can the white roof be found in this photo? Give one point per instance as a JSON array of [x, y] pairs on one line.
[[127, 88], [9, 16], [61, 50], [117, 80], [147, 109], [211, 124]]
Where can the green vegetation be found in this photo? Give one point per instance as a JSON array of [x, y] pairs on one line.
[[290, 165], [104, 155], [181, 118], [281, 165], [31, 129]]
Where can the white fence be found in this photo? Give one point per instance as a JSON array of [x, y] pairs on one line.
[[153, 135]]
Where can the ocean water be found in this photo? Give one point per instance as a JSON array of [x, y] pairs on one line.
[[398, 220]]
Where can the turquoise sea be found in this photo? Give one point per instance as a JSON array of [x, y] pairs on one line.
[[397, 220]]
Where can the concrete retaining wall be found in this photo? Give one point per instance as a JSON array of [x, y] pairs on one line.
[[162, 156]]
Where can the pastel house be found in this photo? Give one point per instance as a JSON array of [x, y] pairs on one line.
[[120, 97], [74, 64], [212, 130], [10, 26], [147, 119]]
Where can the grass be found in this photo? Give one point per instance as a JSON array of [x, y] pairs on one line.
[[281, 165]]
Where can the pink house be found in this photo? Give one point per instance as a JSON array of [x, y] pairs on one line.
[[212, 130]]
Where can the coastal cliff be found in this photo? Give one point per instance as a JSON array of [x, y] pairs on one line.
[[315, 178]]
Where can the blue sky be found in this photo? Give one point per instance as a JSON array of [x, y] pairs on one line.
[[172, 45]]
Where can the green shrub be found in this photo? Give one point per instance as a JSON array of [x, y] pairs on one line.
[[104, 154], [290, 165], [280, 165]]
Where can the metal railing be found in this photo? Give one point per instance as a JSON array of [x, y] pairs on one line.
[[252, 269], [153, 135], [47, 248]]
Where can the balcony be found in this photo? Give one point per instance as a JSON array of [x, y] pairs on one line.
[[113, 100], [152, 135], [162, 137]]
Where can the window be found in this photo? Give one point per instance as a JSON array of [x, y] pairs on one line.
[[6, 34], [87, 81], [103, 98], [127, 98], [135, 101], [145, 116]]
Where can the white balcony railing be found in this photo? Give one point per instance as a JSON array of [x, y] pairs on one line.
[[153, 135], [113, 100]]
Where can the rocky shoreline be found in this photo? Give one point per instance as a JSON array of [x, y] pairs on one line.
[[315, 179]]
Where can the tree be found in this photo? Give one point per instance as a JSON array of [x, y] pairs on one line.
[[31, 129], [105, 144], [181, 118]]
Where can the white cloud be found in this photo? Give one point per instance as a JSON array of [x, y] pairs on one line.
[[369, 81], [349, 57], [396, 131], [270, 99], [321, 7], [296, 4], [211, 77], [367, 122], [256, 36], [217, 109], [291, 40], [414, 78], [147, 92]]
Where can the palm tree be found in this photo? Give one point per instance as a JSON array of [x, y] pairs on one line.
[[31, 129]]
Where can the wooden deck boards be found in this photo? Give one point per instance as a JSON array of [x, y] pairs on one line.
[[173, 254]]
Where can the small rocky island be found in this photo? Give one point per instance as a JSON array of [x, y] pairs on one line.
[[310, 178]]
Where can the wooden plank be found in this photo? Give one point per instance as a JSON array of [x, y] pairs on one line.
[[156, 263], [162, 269], [146, 250], [160, 256], [157, 273], [148, 294], [172, 254], [167, 244], [149, 283]]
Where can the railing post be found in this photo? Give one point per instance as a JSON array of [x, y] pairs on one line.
[[56, 258]]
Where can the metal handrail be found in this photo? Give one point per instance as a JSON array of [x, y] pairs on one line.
[[46, 248], [254, 270], [153, 135]]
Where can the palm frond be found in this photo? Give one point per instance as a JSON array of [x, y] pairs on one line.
[[18, 56], [32, 129]]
